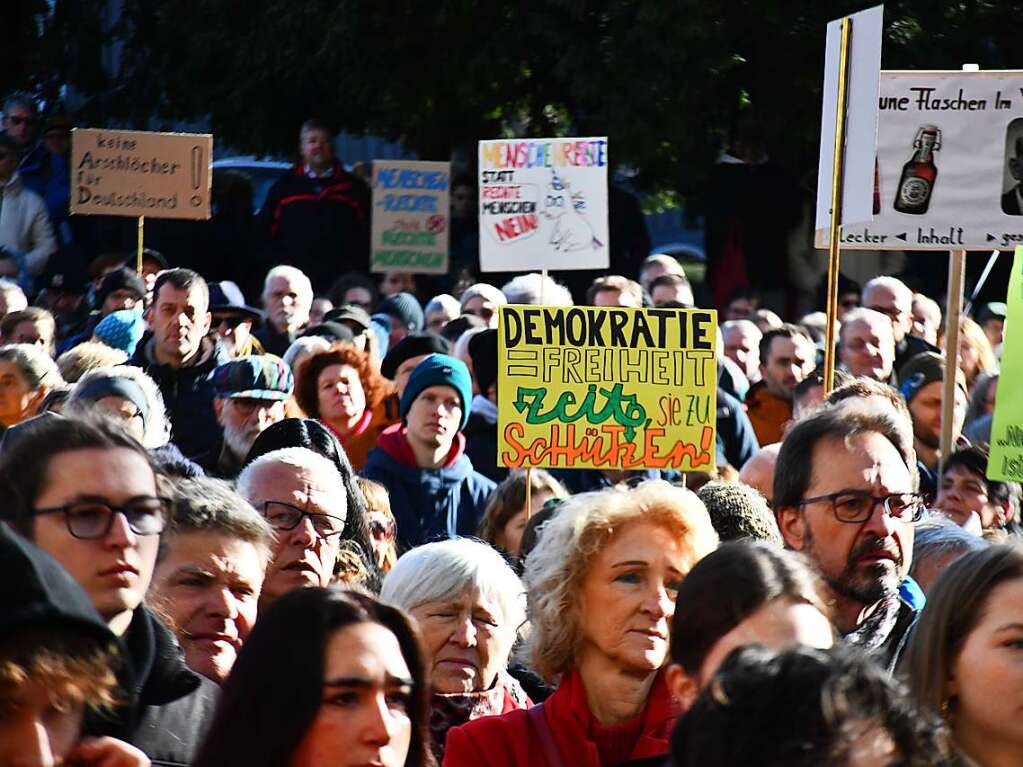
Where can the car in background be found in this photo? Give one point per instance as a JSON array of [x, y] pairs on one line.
[[260, 173]]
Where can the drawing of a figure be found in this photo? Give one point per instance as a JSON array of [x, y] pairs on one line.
[[571, 229]]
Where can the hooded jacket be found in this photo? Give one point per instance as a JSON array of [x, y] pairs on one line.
[[428, 503], [187, 395]]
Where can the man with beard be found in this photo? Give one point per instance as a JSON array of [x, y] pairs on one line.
[[249, 397], [845, 495], [287, 299], [920, 383]]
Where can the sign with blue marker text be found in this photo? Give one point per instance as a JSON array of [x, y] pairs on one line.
[[410, 216]]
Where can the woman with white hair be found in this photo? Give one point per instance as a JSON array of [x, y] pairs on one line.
[[469, 605], [601, 586], [129, 395], [483, 300], [27, 374]]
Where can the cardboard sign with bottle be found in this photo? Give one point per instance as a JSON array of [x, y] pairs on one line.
[[949, 167]]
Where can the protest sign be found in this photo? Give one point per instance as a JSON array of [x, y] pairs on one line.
[[543, 204], [861, 117], [140, 173], [410, 216], [607, 388], [1006, 458], [949, 164]]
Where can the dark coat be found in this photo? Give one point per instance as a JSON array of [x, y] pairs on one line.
[[319, 225], [169, 706], [425, 501], [736, 440], [187, 395], [481, 447]]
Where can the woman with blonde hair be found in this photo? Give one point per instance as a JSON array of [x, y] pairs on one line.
[[601, 586], [27, 374], [382, 528], [975, 353]]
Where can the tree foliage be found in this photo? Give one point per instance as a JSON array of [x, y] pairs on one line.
[[668, 82]]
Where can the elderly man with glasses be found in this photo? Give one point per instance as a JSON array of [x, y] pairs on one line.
[[89, 495], [845, 495], [300, 495]]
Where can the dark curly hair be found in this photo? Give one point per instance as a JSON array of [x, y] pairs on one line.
[[307, 376], [804, 708]]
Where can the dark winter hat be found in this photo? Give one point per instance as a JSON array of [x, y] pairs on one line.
[[349, 313], [405, 308], [257, 376], [332, 331], [483, 351], [923, 369], [995, 310], [40, 594], [738, 511], [114, 386], [415, 345], [121, 278], [226, 298], [66, 273], [439, 370]]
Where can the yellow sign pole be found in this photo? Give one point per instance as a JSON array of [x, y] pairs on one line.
[[141, 238], [834, 251]]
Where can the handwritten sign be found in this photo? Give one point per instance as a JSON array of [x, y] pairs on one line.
[[588, 387], [410, 216], [1006, 458], [949, 171], [543, 204], [140, 173]]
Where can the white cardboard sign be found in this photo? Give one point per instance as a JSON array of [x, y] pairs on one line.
[[543, 204], [950, 162]]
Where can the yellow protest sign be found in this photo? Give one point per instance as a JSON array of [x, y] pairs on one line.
[[140, 173], [607, 388], [1006, 459]]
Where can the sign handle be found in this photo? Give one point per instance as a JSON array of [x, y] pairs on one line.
[[141, 238], [953, 313], [834, 251]]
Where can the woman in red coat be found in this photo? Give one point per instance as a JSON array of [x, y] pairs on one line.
[[601, 585]]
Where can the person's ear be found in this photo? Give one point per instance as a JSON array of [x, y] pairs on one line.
[[218, 409], [1003, 513], [684, 689], [207, 323], [792, 524]]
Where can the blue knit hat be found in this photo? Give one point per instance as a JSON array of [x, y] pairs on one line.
[[403, 308], [122, 330], [439, 370]]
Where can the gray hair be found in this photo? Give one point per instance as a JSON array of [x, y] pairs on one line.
[[937, 536], [297, 276], [447, 569], [869, 316], [35, 365], [894, 284], [303, 346], [746, 325], [485, 291], [210, 505], [157, 429], [294, 457], [530, 288], [445, 303]]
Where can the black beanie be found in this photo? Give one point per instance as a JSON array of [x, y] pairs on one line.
[[483, 351], [415, 345], [121, 278]]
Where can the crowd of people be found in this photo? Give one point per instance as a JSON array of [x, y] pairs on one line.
[[274, 529]]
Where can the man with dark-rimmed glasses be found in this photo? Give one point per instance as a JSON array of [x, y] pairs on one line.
[[300, 494], [845, 495], [89, 495]]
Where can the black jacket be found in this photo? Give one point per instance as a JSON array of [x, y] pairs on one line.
[[320, 225], [169, 707], [187, 395], [481, 447]]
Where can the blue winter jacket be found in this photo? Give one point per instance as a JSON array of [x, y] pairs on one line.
[[428, 504]]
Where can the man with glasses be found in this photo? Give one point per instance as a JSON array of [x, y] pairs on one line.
[[21, 123], [249, 397], [300, 495], [845, 495], [233, 320], [892, 298], [89, 495]]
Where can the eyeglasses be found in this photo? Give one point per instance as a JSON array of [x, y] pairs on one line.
[[849, 303], [853, 506], [19, 120], [284, 516], [89, 520], [484, 312], [892, 313], [246, 406], [231, 321]]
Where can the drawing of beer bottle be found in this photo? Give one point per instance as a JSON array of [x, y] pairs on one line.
[[917, 182]]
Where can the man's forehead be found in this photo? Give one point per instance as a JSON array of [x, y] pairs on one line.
[[868, 457], [281, 481]]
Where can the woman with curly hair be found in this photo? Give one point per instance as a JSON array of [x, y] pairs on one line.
[[340, 388]]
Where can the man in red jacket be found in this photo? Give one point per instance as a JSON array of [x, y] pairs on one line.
[[316, 216]]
